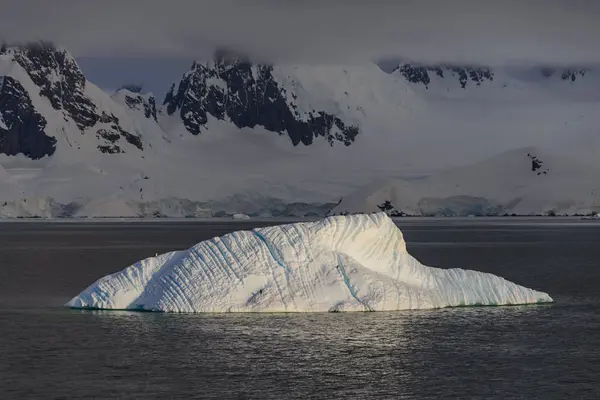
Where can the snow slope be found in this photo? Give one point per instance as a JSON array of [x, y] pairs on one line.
[[355, 263], [522, 181]]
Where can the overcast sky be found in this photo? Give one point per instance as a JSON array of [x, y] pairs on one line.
[[116, 39], [488, 32]]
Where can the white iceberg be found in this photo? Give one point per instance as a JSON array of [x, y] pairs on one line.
[[342, 263]]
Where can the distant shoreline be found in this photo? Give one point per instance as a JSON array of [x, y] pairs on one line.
[[251, 221]]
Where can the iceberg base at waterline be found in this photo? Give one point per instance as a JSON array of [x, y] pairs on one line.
[[341, 263]]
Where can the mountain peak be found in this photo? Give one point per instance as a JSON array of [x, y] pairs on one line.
[[46, 97], [247, 94], [61, 81], [137, 101]]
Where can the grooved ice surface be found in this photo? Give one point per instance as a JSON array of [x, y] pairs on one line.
[[342, 263]]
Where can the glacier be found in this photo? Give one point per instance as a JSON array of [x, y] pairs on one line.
[[341, 263]]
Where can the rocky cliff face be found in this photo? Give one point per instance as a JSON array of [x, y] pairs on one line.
[[248, 95], [73, 109], [21, 126]]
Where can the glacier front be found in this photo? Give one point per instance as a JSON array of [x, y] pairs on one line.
[[341, 263]]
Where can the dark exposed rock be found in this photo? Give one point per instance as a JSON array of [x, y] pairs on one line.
[[107, 135], [572, 74], [415, 74], [386, 206], [248, 95], [150, 108], [21, 126], [390, 209], [537, 165], [133, 139], [110, 149], [420, 73], [115, 132], [138, 102], [477, 75]]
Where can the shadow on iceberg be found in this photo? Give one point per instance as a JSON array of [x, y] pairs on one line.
[[341, 263]]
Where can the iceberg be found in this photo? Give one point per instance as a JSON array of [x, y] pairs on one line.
[[341, 263]]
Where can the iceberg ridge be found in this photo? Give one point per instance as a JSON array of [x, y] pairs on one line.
[[341, 263]]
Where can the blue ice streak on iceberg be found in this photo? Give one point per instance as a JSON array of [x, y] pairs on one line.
[[262, 238]]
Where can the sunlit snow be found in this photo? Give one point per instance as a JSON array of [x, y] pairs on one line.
[[343, 263]]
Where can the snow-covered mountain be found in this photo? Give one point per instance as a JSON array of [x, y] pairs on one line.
[[237, 136], [234, 89], [525, 181], [48, 106], [58, 131]]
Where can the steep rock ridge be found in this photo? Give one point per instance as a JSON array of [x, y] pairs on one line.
[[233, 88], [21, 126], [468, 76], [464, 75], [144, 103], [55, 73], [59, 78], [113, 134]]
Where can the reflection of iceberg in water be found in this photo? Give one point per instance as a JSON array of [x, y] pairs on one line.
[[344, 263]]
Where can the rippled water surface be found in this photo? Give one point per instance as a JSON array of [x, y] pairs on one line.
[[550, 351]]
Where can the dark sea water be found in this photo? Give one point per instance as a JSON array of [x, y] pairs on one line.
[[526, 352]]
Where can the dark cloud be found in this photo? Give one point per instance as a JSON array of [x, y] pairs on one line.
[[489, 32]]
